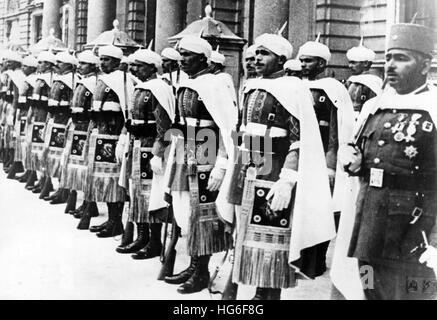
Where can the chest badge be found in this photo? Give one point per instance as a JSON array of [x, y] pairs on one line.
[[427, 126], [411, 152]]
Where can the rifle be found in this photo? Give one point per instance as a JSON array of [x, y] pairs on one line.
[[168, 259]]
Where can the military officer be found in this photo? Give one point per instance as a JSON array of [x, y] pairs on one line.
[[60, 113], [362, 85], [171, 68], [46, 63], [15, 84], [29, 67], [74, 177], [334, 113], [278, 132], [205, 109], [293, 68], [111, 97], [150, 117], [393, 155]]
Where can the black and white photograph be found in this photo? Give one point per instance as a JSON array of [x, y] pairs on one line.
[[223, 151]]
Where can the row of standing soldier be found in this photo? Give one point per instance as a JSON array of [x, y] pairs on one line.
[[239, 175]]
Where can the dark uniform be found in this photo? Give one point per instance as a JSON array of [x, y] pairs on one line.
[[398, 146], [39, 116], [74, 174], [359, 94], [206, 232], [263, 238], [59, 112], [148, 126]]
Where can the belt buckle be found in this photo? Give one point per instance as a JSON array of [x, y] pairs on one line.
[[416, 214], [376, 177]]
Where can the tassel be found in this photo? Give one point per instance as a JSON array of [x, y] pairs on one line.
[[207, 233], [266, 268]]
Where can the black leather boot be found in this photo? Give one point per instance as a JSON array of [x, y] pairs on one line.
[[78, 213], [17, 167], [199, 279], [90, 210], [30, 182], [71, 202], [114, 225], [9, 160], [140, 242], [128, 234], [184, 275], [62, 197], [154, 247], [267, 294], [39, 185], [23, 178], [47, 188]]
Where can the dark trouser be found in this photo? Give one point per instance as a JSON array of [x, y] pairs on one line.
[[400, 282]]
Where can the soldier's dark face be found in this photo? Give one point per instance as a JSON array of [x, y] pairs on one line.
[[28, 70], [12, 65], [62, 67], [267, 62], [144, 70], [192, 62], [250, 67], [169, 65], [44, 66], [109, 64], [358, 67], [312, 66], [85, 68], [293, 73], [405, 71]]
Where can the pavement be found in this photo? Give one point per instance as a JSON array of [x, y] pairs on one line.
[[44, 257]]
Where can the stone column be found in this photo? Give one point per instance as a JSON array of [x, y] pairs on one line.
[[269, 16], [170, 15], [101, 15], [51, 17], [302, 22]]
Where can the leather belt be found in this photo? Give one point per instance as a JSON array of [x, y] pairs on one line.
[[402, 182], [192, 122]]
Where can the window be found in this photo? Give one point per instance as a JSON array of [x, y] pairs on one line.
[[425, 10], [37, 28]]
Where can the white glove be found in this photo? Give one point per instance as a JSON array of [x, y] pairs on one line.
[[350, 156], [282, 189], [217, 174], [119, 149], [216, 179], [157, 165], [430, 258]]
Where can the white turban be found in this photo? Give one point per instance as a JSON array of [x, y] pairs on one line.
[[276, 44], [250, 52], [293, 65], [196, 45], [65, 57], [217, 57], [315, 49], [111, 51], [172, 54], [147, 56], [47, 56], [30, 61], [88, 57], [360, 53], [13, 56]]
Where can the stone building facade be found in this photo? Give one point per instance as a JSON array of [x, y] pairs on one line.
[[341, 23]]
